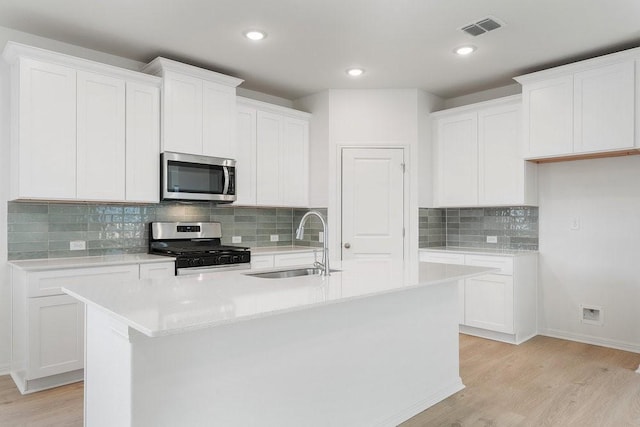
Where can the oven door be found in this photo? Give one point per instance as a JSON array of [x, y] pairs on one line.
[[191, 177]]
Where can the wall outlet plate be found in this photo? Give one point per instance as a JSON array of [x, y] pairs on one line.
[[275, 238], [492, 239], [77, 245], [236, 239]]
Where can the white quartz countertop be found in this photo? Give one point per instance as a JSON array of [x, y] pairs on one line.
[[179, 304], [479, 251], [90, 261], [276, 250]]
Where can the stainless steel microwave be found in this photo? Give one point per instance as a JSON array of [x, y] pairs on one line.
[[193, 177]]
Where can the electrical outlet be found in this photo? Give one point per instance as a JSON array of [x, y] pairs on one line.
[[492, 239], [77, 245], [236, 239], [275, 238], [321, 236]]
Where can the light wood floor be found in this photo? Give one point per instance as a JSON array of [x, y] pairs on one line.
[[543, 382]]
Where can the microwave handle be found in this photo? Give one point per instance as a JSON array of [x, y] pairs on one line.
[[226, 180]]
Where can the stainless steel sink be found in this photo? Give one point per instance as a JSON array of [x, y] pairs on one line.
[[283, 274]]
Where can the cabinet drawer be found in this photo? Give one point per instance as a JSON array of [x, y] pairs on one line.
[[261, 261], [305, 258], [43, 283], [157, 270], [442, 258], [505, 264]]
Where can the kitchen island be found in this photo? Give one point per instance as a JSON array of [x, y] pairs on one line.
[[367, 346]]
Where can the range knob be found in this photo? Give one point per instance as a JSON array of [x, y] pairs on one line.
[[195, 262]]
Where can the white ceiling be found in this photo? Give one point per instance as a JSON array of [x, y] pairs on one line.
[[310, 43]]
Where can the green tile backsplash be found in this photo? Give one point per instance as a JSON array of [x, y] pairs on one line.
[[44, 230], [515, 227]]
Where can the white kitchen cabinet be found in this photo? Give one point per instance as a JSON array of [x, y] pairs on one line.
[[458, 160], [71, 128], [43, 140], [261, 261], [582, 109], [48, 325], [246, 159], [143, 143], [274, 142], [478, 158], [500, 305], [56, 336], [198, 109], [101, 137]]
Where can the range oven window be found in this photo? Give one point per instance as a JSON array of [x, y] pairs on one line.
[[196, 178]]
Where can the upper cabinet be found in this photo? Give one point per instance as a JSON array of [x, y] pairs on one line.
[[585, 109], [273, 161], [477, 156], [79, 127], [198, 109]]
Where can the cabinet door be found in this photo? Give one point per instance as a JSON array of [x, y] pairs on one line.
[[56, 335], [218, 120], [46, 151], [142, 143], [182, 114], [101, 137], [488, 302], [500, 163], [604, 108], [268, 155], [548, 117], [295, 162], [157, 270], [246, 159], [458, 160]]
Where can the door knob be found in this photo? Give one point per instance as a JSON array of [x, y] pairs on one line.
[[347, 245]]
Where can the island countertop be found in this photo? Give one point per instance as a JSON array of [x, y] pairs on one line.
[[174, 305]]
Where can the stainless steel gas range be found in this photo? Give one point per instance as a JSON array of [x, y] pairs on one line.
[[197, 247]]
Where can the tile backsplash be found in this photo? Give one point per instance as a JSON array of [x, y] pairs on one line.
[[515, 227], [45, 230]]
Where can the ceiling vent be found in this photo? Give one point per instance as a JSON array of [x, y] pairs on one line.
[[482, 26]]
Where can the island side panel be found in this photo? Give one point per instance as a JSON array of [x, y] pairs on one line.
[[107, 372], [367, 362]]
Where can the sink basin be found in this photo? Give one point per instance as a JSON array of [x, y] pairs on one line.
[[283, 274]]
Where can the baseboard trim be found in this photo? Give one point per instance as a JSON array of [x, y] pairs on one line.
[[425, 403], [5, 369], [587, 339]]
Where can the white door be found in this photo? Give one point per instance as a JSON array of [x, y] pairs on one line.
[[372, 203], [219, 120], [269, 137], [294, 167], [182, 114]]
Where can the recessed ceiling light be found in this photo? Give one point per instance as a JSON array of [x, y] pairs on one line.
[[255, 35], [355, 72], [464, 50]]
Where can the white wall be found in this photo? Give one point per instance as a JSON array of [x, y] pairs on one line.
[[598, 264], [485, 95]]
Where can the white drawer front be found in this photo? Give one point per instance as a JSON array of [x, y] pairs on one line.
[[44, 283], [157, 270], [505, 264], [261, 261], [441, 258], [306, 258]]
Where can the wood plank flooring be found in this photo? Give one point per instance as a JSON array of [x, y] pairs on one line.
[[543, 382]]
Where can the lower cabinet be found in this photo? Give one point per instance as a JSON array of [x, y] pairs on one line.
[[48, 325], [282, 260], [501, 305]]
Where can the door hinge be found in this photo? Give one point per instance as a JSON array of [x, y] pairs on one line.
[[404, 167], [402, 231]]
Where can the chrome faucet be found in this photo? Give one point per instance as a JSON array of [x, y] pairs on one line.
[[325, 248]]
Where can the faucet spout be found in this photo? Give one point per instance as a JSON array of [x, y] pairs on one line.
[[325, 248]]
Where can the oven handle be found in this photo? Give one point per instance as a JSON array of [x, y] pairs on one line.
[[226, 180]]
